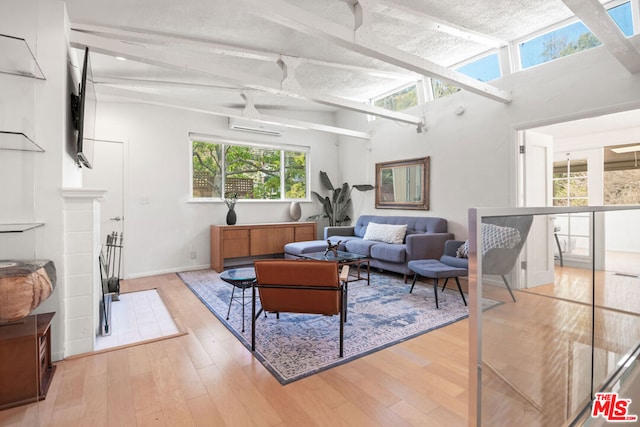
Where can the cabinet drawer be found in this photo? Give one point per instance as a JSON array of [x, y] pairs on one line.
[[235, 234]]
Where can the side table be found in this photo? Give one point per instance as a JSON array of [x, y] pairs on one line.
[[241, 278]]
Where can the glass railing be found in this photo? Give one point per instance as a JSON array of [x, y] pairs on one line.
[[550, 327]]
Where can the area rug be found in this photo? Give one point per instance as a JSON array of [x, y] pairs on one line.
[[298, 345]]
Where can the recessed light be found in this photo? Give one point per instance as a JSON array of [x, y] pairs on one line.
[[121, 58], [629, 149]]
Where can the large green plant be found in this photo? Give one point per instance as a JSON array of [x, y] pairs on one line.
[[335, 205]]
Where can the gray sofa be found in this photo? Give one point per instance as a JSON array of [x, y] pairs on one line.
[[424, 239]]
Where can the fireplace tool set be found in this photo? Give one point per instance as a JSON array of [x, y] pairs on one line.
[[110, 259]]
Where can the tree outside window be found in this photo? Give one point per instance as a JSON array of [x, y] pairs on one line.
[[295, 175], [399, 100], [570, 39], [248, 172], [207, 170]]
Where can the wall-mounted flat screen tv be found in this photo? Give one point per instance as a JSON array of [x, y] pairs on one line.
[[83, 113]]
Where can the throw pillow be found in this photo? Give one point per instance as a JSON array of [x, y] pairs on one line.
[[463, 250], [387, 233], [493, 236], [496, 236]]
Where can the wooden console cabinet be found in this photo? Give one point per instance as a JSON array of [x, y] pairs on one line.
[[234, 241], [26, 370]]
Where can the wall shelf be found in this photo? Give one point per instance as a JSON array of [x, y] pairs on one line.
[[17, 141], [19, 228], [17, 58]]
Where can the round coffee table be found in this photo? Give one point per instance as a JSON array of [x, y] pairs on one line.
[[241, 278]]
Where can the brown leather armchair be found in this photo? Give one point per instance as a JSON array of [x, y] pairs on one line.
[[299, 286]]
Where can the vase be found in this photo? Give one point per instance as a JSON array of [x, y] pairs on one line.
[[294, 211], [231, 217]]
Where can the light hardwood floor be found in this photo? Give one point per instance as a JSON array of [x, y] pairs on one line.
[[207, 378], [537, 352]]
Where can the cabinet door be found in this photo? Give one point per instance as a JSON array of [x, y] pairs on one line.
[[304, 232], [270, 240], [236, 243]]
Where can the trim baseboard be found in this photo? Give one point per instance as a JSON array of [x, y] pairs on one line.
[[168, 270]]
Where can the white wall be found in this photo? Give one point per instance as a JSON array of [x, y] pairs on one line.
[[44, 25], [160, 235], [473, 156]]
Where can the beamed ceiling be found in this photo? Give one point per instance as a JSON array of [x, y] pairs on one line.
[[251, 58]]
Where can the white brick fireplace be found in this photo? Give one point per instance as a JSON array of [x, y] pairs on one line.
[[82, 289]]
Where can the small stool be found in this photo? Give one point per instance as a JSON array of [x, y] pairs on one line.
[[435, 270]]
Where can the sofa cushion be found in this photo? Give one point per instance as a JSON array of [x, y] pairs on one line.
[[299, 248], [415, 224], [342, 239], [387, 233], [389, 252], [359, 246]]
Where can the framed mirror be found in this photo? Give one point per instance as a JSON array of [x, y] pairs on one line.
[[403, 184]]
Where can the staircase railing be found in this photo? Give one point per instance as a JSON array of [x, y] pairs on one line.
[[565, 333]]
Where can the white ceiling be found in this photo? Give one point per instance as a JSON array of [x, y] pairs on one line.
[[211, 52]]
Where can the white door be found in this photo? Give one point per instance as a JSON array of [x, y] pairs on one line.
[[538, 192], [108, 174]]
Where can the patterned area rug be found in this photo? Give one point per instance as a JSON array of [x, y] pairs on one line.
[[299, 345]]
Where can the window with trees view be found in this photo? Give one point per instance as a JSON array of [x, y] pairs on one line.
[[484, 69], [251, 172], [570, 39], [622, 187], [400, 99], [570, 184], [441, 89], [571, 188]]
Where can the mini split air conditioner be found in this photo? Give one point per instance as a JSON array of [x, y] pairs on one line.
[[255, 127]]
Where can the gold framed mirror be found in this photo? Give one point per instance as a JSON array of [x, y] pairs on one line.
[[403, 184]]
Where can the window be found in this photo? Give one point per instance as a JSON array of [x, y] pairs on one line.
[[556, 44], [484, 69], [571, 188], [250, 171], [622, 187], [570, 39], [570, 183], [441, 89], [399, 100], [621, 15], [621, 175]]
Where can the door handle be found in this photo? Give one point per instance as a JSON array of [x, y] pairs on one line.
[[116, 219]]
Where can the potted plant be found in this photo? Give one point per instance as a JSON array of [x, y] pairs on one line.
[[335, 205]]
